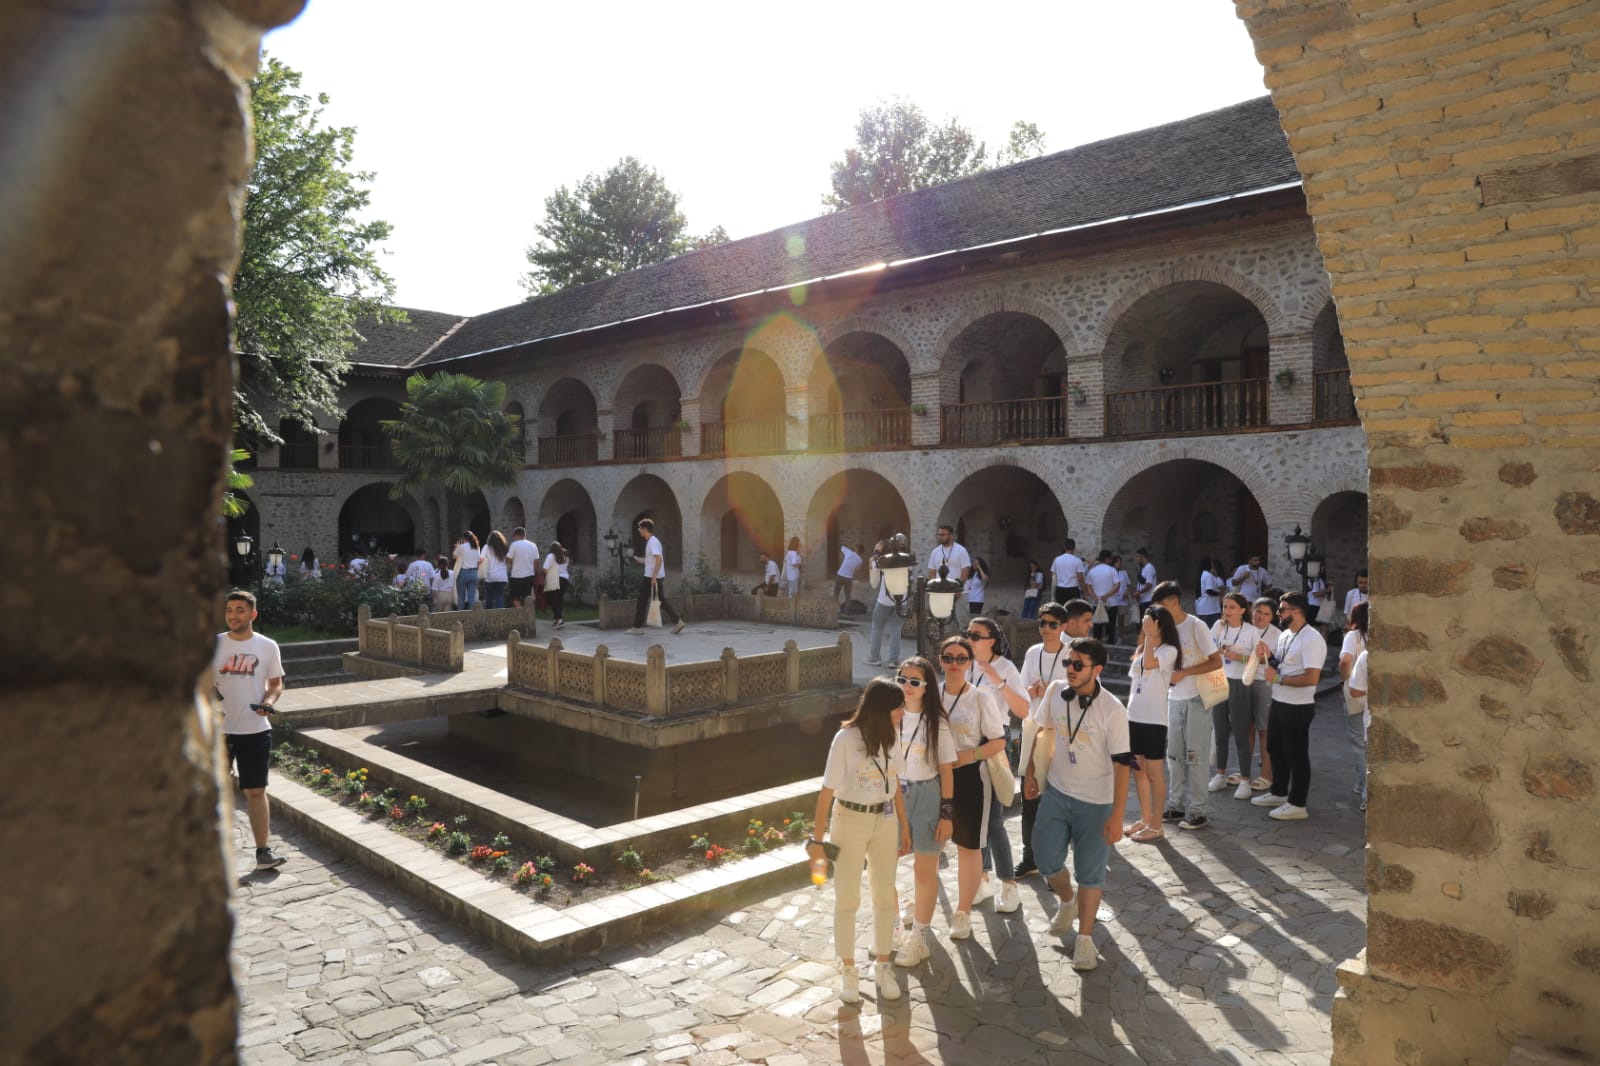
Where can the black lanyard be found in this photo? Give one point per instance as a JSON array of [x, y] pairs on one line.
[[1236, 636], [1072, 736], [1039, 665], [905, 745]]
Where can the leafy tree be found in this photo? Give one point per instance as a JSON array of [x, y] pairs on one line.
[[453, 431], [897, 150], [1026, 141], [309, 264], [611, 223]]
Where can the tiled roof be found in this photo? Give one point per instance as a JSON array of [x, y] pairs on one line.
[[1234, 150], [401, 343]]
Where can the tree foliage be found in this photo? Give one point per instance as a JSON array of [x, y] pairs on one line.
[[611, 223], [1026, 141], [453, 431], [309, 264]]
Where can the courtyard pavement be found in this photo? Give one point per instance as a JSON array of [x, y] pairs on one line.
[[1216, 947]]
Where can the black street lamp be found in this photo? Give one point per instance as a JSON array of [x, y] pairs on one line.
[[1303, 555], [244, 549], [617, 546], [941, 606]]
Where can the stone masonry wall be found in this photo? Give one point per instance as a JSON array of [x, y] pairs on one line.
[[1451, 154]]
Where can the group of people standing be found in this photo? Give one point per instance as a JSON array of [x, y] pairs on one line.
[[496, 570]]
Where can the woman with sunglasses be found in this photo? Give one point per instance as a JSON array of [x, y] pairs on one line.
[[1263, 613], [1233, 719], [861, 791], [928, 759], [1154, 659], [993, 671], [978, 726]]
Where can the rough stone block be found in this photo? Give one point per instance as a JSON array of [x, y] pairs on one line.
[[1477, 530], [1557, 775], [1423, 816], [1407, 690], [1572, 644], [1578, 514], [1422, 952], [1515, 576], [1530, 904], [1390, 636], [1419, 576], [1418, 477], [1502, 658]]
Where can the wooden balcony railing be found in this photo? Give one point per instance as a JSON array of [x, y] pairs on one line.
[[744, 436], [568, 451], [367, 457], [859, 431], [297, 455], [1332, 399], [1211, 407], [658, 442], [1002, 421]]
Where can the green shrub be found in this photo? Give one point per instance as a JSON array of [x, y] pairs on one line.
[[329, 604]]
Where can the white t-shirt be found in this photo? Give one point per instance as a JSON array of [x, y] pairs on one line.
[[1358, 681], [443, 581], [522, 557], [357, 565], [310, 570], [884, 599], [1032, 585], [1269, 637], [1353, 644], [421, 571], [1351, 598], [974, 588], [1010, 677], [1066, 568], [770, 575], [465, 555], [561, 568], [1102, 579], [1209, 601], [849, 564], [914, 748], [954, 558], [240, 670], [1241, 638], [1039, 665], [655, 563], [1120, 598], [1194, 639], [1297, 653], [1147, 582], [858, 777], [791, 565], [975, 716], [493, 567], [1147, 700], [1091, 735], [1250, 581], [1314, 594]]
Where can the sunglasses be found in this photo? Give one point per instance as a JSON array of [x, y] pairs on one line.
[[1079, 664], [955, 660], [974, 635], [908, 682], [1046, 623]]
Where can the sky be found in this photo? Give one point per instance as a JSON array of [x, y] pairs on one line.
[[470, 113]]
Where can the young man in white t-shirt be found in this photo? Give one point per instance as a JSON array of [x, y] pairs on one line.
[[1357, 686], [1251, 579], [1042, 664], [1188, 721], [522, 563], [420, 572], [950, 555], [1147, 578], [1082, 800], [655, 578], [845, 576], [1066, 570], [1102, 581], [1293, 668], [247, 679], [1357, 594], [769, 577]]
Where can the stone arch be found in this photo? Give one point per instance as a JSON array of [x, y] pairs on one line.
[[998, 303], [1217, 453], [568, 409], [645, 411], [740, 518], [1339, 530], [855, 505], [1155, 280], [1187, 333], [1327, 342], [370, 520], [363, 445], [1003, 355], [834, 331], [513, 514], [648, 496], [743, 382], [1006, 514], [567, 514], [858, 394]]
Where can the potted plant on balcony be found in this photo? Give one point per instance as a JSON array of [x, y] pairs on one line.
[[1075, 390], [1284, 378], [919, 408], [683, 425]]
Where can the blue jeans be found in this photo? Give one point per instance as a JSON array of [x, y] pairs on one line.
[[466, 589], [1358, 744], [1030, 607], [885, 615], [494, 595], [997, 852], [1188, 755]]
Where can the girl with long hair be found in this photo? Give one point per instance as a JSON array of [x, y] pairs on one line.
[[993, 671], [928, 757], [1263, 615], [861, 803], [1032, 589], [791, 569], [555, 588], [1355, 642], [492, 567], [443, 585], [1208, 603], [308, 564], [978, 726], [466, 555], [1154, 660], [1236, 638]]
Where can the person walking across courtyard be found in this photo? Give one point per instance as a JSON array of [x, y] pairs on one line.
[[556, 575], [885, 615], [247, 678], [845, 576], [978, 726], [1067, 571], [1082, 798], [992, 671], [1045, 662], [791, 569], [1145, 588], [1103, 581], [522, 563], [466, 554], [1154, 660], [654, 582], [928, 754], [1188, 721], [1293, 667]]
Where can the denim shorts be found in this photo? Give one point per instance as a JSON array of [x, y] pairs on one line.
[[922, 811], [1065, 823]]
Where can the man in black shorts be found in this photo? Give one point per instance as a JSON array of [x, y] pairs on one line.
[[247, 677]]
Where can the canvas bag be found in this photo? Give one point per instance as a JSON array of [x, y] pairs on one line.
[[653, 615], [1213, 687], [1326, 612], [1001, 777], [1100, 616]]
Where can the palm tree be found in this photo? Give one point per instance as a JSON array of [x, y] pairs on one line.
[[453, 432]]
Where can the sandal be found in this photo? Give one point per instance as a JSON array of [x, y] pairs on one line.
[[1234, 779], [1147, 835], [1136, 827]]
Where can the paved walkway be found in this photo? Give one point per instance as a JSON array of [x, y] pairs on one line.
[[1218, 947]]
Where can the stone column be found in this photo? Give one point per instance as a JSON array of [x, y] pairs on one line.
[[606, 446], [689, 408], [1290, 404], [925, 396], [1086, 419], [797, 411]]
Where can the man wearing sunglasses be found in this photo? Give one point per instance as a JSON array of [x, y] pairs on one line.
[[1085, 792], [1041, 664]]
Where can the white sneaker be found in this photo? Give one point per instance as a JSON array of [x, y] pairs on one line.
[[1217, 783], [1084, 956], [1266, 799], [1243, 791], [883, 976], [960, 925], [1289, 813], [678, 628], [985, 891], [635, 632], [850, 985], [1061, 924], [913, 950], [1008, 900]]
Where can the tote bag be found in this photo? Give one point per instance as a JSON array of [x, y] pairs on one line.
[[1100, 616], [653, 615], [1001, 777], [1213, 687]]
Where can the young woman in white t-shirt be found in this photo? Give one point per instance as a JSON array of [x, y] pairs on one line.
[[791, 569], [993, 671], [928, 757], [1355, 642], [975, 592], [1356, 689], [1208, 604], [1154, 659], [1234, 719], [1262, 615], [555, 591], [978, 726], [443, 585], [862, 809], [467, 554], [1124, 597], [1032, 587], [492, 570]]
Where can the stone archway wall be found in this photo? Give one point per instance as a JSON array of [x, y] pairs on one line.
[[1449, 151]]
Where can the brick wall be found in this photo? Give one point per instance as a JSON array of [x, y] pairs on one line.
[[1451, 156]]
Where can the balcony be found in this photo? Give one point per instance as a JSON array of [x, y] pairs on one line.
[[297, 455], [1210, 407], [367, 457], [570, 450], [659, 442], [859, 431], [744, 436], [1004, 421], [1332, 399]]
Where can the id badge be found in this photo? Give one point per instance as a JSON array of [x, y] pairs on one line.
[[1072, 757], [888, 808], [905, 788]]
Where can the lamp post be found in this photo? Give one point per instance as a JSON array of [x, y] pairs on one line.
[[275, 556], [1303, 555], [894, 569], [941, 605], [244, 547], [615, 545]]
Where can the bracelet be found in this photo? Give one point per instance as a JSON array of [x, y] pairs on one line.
[[947, 810], [815, 841]]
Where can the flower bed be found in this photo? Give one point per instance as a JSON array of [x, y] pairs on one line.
[[509, 861]]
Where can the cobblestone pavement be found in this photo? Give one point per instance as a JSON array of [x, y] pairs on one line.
[[1216, 947]]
